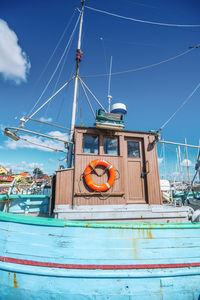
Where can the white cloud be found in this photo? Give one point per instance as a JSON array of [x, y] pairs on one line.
[[42, 143], [186, 163], [23, 166], [59, 134], [14, 64], [46, 119], [53, 161]]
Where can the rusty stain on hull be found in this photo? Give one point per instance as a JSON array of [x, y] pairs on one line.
[[135, 248], [149, 233], [15, 281], [8, 278]]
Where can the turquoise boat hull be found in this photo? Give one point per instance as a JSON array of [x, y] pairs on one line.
[[43, 258]]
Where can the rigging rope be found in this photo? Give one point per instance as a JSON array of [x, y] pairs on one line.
[[91, 93], [87, 99], [71, 37], [50, 58], [180, 107], [59, 75], [62, 87], [42, 146], [142, 21], [144, 67], [60, 108], [59, 41]]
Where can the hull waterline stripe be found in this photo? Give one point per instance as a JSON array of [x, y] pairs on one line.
[[94, 267]]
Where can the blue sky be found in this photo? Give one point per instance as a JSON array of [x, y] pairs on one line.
[[30, 31]]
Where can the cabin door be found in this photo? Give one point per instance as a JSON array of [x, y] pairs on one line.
[[136, 177]]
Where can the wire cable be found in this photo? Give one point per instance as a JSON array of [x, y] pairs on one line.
[[57, 65], [60, 108], [142, 68], [50, 58], [62, 87], [41, 145], [87, 99], [59, 41], [58, 79], [142, 21], [92, 94], [180, 107]]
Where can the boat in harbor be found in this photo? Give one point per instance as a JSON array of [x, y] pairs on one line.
[[109, 234], [20, 197]]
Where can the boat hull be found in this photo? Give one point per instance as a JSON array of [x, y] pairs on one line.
[[19, 282], [56, 259]]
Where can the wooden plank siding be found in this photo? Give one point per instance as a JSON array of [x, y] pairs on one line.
[[64, 187], [129, 186], [153, 177]]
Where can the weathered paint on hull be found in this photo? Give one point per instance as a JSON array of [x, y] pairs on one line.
[[74, 247], [36, 283]]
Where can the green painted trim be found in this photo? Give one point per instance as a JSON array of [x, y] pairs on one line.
[[99, 118], [133, 225], [29, 220]]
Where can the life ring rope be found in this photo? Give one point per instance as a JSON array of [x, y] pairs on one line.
[[91, 167]]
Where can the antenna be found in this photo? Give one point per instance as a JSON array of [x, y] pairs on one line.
[[109, 83]]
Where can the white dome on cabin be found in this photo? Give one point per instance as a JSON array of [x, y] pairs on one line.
[[119, 108]]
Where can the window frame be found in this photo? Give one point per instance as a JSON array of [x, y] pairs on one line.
[[94, 136], [118, 148], [139, 148]]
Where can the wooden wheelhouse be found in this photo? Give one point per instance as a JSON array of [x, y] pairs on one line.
[[135, 193], [132, 154]]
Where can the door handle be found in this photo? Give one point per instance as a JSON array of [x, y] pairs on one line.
[[147, 169]]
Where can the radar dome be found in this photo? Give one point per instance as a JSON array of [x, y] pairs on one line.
[[118, 108]]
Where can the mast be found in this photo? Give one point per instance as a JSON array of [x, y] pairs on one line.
[[109, 82], [78, 59], [188, 169], [165, 175], [180, 169]]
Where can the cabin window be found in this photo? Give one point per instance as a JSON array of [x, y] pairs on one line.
[[133, 149], [90, 144], [110, 146]]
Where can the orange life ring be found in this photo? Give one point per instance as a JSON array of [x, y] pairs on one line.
[[88, 179]]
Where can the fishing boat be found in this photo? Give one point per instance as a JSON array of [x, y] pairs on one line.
[[23, 198], [109, 235]]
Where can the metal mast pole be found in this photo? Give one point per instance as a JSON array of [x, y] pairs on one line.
[[188, 169], [109, 82], [180, 168], [164, 162], [78, 59]]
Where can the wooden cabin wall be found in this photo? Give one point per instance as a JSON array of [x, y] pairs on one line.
[[119, 194], [153, 177], [64, 187], [128, 188]]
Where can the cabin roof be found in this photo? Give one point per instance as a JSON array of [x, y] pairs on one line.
[[106, 130]]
